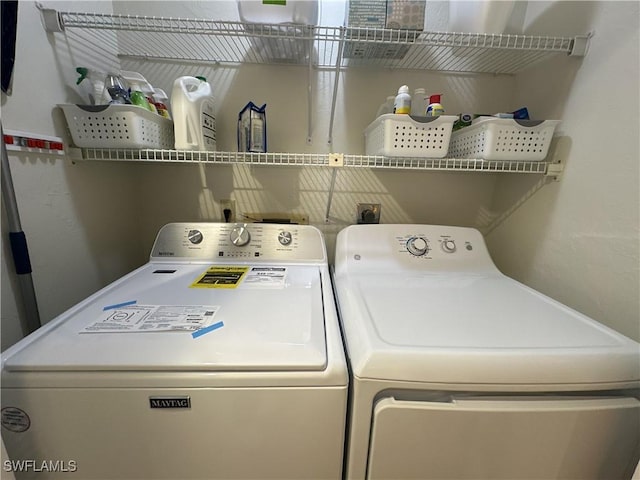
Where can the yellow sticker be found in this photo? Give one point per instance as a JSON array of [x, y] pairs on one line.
[[220, 277]]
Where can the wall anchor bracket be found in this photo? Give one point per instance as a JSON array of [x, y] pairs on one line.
[[554, 170], [51, 19], [580, 45]]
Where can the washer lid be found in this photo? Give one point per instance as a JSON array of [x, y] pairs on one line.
[[475, 329], [272, 320]]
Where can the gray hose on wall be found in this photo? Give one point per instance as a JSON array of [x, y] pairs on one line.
[[19, 248]]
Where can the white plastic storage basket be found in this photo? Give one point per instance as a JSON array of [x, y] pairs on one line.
[[394, 135], [117, 126], [504, 139]]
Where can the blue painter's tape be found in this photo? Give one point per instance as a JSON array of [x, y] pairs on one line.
[[119, 305], [210, 328]]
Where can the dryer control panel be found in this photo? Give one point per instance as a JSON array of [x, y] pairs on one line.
[[240, 241], [422, 245], [391, 248]]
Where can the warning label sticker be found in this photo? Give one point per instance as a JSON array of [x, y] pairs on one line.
[[15, 419], [153, 318], [221, 277]]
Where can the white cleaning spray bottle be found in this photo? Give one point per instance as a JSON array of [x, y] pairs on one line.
[[91, 82]]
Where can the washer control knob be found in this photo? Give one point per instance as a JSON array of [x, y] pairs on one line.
[[417, 246], [240, 236], [284, 238], [449, 246], [195, 236]]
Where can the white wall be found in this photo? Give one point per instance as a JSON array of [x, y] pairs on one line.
[[77, 229], [578, 239]]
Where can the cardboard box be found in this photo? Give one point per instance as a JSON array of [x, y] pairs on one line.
[[367, 13], [397, 14], [405, 14]]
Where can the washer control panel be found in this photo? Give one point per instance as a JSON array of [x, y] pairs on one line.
[[240, 235], [242, 241]]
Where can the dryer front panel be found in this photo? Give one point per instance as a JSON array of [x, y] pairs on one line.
[[505, 438]]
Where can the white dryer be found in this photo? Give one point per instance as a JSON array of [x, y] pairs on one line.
[[220, 358], [460, 372]]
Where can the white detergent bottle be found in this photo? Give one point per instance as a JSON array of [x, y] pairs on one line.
[[402, 102], [193, 119]]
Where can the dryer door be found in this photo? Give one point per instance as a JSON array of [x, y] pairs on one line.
[[505, 438]]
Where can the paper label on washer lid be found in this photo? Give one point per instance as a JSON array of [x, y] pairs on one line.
[[266, 277], [153, 318]]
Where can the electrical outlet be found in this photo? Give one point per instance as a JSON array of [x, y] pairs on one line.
[[369, 212], [228, 210]]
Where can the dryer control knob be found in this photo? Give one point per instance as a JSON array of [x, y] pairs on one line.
[[284, 238], [449, 246], [240, 236], [417, 246]]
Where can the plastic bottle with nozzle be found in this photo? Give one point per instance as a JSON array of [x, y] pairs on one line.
[[138, 97], [140, 88], [117, 89], [435, 108], [161, 101], [91, 81]]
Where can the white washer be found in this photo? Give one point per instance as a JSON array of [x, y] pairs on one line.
[[460, 372], [259, 391]]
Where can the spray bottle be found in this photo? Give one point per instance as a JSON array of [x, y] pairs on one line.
[[93, 87], [138, 97], [141, 90], [434, 109], [161, 101], [116, 88]]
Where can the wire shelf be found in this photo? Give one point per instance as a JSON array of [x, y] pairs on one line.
[[445, 164], [234, 42], [314, 160]]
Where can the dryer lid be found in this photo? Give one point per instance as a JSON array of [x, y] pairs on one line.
[[475, 329], [270, 320]]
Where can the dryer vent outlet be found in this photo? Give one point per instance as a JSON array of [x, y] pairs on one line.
[[369, 212], [228, 208]]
